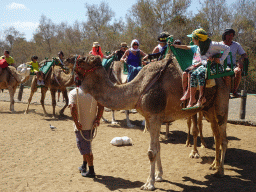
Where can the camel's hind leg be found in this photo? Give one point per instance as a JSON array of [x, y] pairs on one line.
[[194, 153], [114, 122], [129, 124], [65, 95], [43, 93], [224, 146], [154, 125], [53, 94]]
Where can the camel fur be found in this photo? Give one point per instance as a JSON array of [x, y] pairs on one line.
[[55, 79], [159, 104], [11, 81]]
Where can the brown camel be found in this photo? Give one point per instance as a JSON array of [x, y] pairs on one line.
[[55, 79], [158, 103], [11, 81]]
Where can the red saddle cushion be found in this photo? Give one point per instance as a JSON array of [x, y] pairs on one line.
[[3, 63]]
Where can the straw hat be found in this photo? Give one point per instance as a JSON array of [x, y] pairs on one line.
[[95, 44], [124, 44]]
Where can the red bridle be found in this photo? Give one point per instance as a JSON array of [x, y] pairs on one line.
[[84, 70]]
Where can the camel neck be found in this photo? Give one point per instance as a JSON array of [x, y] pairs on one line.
[[109, 95]]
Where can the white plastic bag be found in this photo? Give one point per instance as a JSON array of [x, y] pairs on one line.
[[118, 141]]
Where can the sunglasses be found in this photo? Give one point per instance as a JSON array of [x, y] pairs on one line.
[[135, 44], [124, 46]]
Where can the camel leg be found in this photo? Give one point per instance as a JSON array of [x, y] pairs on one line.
[[153, 126], [224, 145], [215, 129], [194, 153], [114, 122], [189, 127], [167, 131], [129, 124], [11, 93], [65, 95], [200, 126], [43, 93], [33, 89], [53, 94]]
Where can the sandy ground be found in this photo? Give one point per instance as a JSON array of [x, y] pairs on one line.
[[35, 158]]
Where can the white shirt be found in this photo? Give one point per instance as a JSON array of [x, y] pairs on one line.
[[215, 48], [234, 49], [87, 108]]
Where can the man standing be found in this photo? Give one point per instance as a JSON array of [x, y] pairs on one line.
[[235, 48], [90, 114], [8, 58]]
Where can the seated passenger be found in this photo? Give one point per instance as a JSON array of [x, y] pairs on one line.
[[235, 48], [96, 50], [35, 70], [196, 62], [119, 53], [207, 49], [132, 57]]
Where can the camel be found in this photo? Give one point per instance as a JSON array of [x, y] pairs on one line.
[[55, 79], [11, 81], [158, 100]]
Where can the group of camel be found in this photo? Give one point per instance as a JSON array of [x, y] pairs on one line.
[[155, 93]]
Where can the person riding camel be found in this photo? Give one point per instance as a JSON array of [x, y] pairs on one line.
[[207, 49], [35, 70], [96, 50]]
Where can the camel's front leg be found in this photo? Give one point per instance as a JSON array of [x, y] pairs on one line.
[[194, 153], [53, 94], [159, 172], [200, 126], [154, 149], [33, 89], [65, 95], [188, 136], [215, 129], [43, 93], [11, 93]]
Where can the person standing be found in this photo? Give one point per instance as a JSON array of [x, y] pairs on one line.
[[235, 48], [90, 114]]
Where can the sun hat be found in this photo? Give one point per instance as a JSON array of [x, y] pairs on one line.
[[124, 44], [163, 37], [95, 44], [199, 34]]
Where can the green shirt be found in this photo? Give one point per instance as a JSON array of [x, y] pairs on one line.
[[9, 60]]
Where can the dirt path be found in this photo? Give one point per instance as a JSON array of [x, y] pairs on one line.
[[35, 158]]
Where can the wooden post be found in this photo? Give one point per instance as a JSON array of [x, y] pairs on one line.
[[20, 92], [243, 104]]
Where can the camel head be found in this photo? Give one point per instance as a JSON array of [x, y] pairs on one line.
[[83, 64]]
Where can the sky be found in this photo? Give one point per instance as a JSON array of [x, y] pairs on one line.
[[24, 15]]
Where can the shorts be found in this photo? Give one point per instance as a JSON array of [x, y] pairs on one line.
[[83, 145]]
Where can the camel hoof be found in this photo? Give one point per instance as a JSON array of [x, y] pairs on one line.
[[147, 187], [105, 120], [219, 173], [203, 145], [194, 154], [158, 179], [25, 112], [188, 144], [114, 122]]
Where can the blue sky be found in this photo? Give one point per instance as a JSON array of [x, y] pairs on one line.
[[24, 15]]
